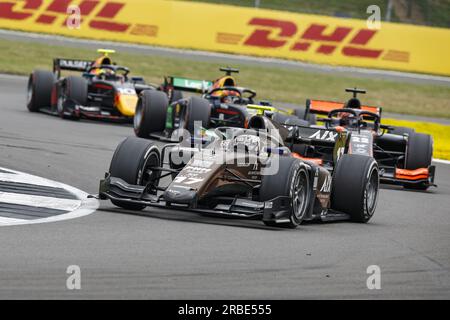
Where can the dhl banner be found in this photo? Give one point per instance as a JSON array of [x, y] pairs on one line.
[[249, 31]]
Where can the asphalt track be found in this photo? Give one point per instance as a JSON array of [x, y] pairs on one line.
[[162, 254]]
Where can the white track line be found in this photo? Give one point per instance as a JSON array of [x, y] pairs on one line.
[[77, 208], [40, 201], [441, 161], [9, 221], [26, 178]]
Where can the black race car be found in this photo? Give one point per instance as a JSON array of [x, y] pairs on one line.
[[243, 173], [404, 156], [222, 103], [103, 91]]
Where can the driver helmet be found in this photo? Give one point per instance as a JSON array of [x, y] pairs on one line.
[[225, 95], [103, 60], [346, 119], [105, 72]]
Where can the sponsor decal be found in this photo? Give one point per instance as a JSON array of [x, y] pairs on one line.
[[95, 14], [326, 187], [259, 32], [324, 135], [321, 38], [316, 178], [360, 144], [78, 64]]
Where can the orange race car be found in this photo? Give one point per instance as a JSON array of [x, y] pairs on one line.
[[403, 155]]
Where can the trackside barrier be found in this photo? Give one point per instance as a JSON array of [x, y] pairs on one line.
[[240, 30]]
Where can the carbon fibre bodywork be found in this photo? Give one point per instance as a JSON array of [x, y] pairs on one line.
[[224, 178], [369, 136]]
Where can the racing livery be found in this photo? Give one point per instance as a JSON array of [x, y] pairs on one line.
[[404, 156], [222, 103], [103, 91], [244, 173]]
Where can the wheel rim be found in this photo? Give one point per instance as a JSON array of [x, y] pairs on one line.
[[299, 195], [148, 174], [372, 192], [137, 116]]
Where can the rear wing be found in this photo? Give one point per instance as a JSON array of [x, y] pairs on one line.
[[324, 107], [185, 84], [70, 64]]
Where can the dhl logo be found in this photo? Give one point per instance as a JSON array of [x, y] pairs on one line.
[[99, 14], [317, 37]]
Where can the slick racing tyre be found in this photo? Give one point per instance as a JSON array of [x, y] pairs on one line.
[[74, 92], [151, 111], [292, 180], [355, 186], [39, 90], [310, 117], [198, 110], [419, 152], [131, 162]]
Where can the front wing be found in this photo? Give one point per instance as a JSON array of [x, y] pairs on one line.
[[402, 176], [276, 210]]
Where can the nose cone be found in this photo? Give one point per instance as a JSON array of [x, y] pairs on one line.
[[126, 104], [180, 195]]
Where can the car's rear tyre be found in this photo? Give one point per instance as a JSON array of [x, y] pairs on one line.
[[75, 92], [401, 130], [39, 90], [355, 187], [151, 112], [76, 89], [310, 117], [419, 153], [198, 110], [292, 180], [131, 162]]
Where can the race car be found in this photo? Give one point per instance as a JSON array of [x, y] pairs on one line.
[[403, 155], [242, 173], [222, 103], [103, 91]]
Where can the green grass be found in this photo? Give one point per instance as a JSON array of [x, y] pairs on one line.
[[434, 12], [282, 85]]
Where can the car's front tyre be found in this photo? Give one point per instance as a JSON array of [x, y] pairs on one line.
[[39, 90], [291, 180], [132, 162], [355, 186]]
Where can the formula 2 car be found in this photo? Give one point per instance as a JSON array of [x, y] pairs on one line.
[[404, 156], [243, 173], [222, 103], [103, 91]]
